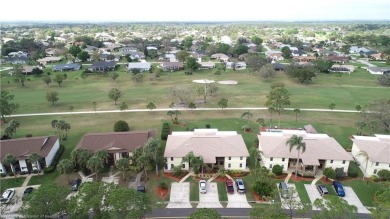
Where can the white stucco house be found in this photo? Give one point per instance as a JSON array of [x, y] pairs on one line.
[[22, 148], [378, 150], [225, 149], [321, 151], [117, 144]]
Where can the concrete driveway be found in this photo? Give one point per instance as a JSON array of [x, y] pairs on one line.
[[180, 195], [210, 199], [285, 202], [352, 199], [237, 200], [313, 194], [17, 199]]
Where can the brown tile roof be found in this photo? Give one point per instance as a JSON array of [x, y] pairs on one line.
[[208, 145], [115, 142], [172, 64], [377, 148], [316, 148], [22, 148]]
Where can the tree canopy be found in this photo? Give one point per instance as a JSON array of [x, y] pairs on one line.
[[7, 107]]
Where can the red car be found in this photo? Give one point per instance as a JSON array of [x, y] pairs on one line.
[[229, 187]]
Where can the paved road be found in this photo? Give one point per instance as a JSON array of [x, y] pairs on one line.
[[365, 62], [168, 109]]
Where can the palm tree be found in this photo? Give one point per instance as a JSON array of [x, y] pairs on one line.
[[255, 153], [153, 151], [296, 111], [35, 158], [271, 109], [296, 142], [122, 165], [14, 124], [143, 161], [61, 127], [366, 158], [66, 127], [193, 161], [65, 166], [10, 159], [103, 155], [95, 164], [80, 157], [248, 115]]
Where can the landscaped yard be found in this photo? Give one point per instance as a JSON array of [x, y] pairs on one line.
[[222, 194], [194, 188], [151, 189], [11, 183], [302, 191], [364, 190]]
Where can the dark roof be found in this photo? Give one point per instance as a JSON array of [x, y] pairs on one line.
[[103, 64], [15, 58], [299, 52], [67, 66], [337, 58], [115, 142], [22, 148], [278, 66]]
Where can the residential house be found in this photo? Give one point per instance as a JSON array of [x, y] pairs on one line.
[[304, 58], [102, 66], [377, 149], [321, 152], [243, 57], [142, 66], [51, 59], [90, 49], [206, 65], [109, 57], [337, 59], [274, 55], [378, 70], [278, 66], [299, 53], [171, 57], [27, 69], [16, 60], [172, 66], [342, 68], [67, 67], [236, 65], [18, 54], [134, 55], [220, 56], [22, 148], [225, 149], [379, 56], [293, 49], [117, 144], [124, 50]]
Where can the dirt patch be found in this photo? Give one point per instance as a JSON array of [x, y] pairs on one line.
[[161, 192], [221, 179], [258, 198], [299, 178]]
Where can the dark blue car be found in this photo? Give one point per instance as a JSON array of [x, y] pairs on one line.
[[338, 187]]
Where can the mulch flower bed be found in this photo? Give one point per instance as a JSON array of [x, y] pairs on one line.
[[221, 179], [169, 175], [161, 192]]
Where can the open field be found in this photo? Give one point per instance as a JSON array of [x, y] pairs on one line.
[[343, 90]]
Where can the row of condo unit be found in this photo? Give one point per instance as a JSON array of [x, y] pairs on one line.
[[223, 149]]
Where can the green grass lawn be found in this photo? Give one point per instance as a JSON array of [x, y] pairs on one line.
[[222, 194], [152, 184], [302, 191], [365, 191], [11, 183], [194, 189]]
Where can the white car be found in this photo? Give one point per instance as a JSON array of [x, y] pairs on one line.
[[7, 196], [202, 186]]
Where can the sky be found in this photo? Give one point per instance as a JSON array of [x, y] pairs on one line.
[[198, 10]]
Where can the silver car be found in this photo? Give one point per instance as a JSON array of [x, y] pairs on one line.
[[7, 196], [240, 186], [202, 186]]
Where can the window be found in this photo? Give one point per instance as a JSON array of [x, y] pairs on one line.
[[331, 161], [171, 158], [125, 155], [343, 161], [283, 159], [172, 166], [271, 159], [230, 158], [240, 165], [240, 158], [229, 165], [375, 171], [377, 164], [183, 165], [270, 166]]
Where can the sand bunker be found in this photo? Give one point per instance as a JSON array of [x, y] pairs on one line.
[[227, 82]]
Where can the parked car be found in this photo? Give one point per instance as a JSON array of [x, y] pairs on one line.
[[338, 187], [75, 184], [7, 196], [141, 189], [229, 187], [27, 192], [240, 186], [283, 188], [202, 186], [322, 190]]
